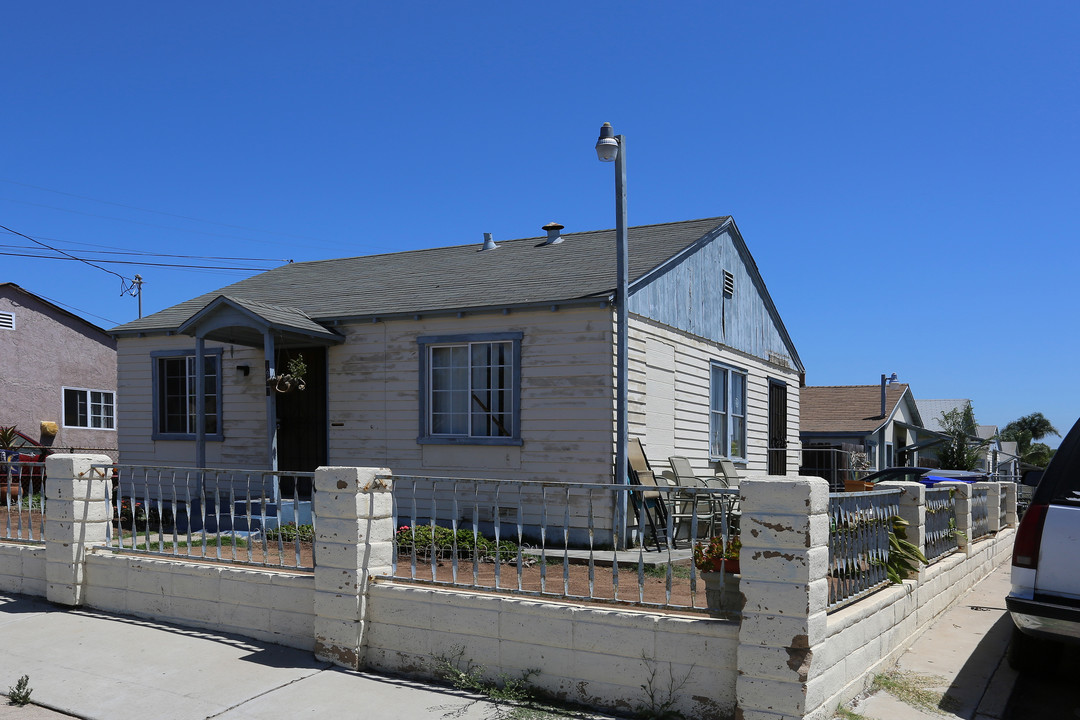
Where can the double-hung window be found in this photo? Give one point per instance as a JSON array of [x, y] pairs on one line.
[[89, 409], [727, 412], [470, 389], [175, 407]]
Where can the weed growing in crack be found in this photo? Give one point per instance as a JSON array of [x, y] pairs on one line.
[[514, 698], [20, 694], [660, 700], [912, 689]]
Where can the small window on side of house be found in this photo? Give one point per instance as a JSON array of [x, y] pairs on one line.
[[7, 321], [93, 409]]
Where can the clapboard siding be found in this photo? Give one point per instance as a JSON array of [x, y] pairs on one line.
[[243, 407], [693, 357], [689, 296], [566, 393]]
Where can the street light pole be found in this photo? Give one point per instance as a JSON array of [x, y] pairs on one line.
[[613, 147]]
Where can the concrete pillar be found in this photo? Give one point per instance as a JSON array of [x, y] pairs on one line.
[[993, 505], [1010, 490], [913, 510], [785, 555], [76, 519], [962, 503], [354, 540]]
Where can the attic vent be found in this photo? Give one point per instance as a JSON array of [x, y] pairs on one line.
[[489, 243], [729, 284], [7, 321]]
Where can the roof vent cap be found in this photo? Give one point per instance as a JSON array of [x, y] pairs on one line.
[[489, 244], [553, 236]]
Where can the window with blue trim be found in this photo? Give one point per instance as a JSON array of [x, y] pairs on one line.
[[470, 388], [727, 412], [175, 414]]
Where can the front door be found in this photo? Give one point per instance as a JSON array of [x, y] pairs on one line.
[[301, 414], [777, 428]]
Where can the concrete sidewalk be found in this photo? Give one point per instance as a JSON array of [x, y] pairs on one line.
[[94, 665], [957, 667]]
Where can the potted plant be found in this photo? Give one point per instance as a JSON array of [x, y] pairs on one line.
[[292, 378], [718, 562]]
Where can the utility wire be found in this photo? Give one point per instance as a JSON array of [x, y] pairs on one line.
[[127, 262], [127, 285], [133, 222], [75, 309], [147, 253], [156, 212]]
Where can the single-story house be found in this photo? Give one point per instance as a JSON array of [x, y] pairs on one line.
[[57, 374], [860, 427], [473, 361]]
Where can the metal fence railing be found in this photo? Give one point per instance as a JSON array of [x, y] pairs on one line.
[[980, 512], [252, 517], [859, 526], [940, 536], [22, 501], [560, 540]]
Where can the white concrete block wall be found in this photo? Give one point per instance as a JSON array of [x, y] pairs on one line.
[[591, 655], [22, 569], [266, 605]]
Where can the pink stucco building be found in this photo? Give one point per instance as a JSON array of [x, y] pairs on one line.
[[57, 371]]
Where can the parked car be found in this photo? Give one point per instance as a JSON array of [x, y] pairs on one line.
[[25, 450], [1044, 601], [926, 476]]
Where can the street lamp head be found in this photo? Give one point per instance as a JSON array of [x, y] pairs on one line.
[[607, 147]]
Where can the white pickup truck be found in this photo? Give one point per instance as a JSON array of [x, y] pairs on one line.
[[1045, 597]]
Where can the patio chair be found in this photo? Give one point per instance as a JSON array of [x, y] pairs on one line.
[[648, 504], [705, 505]]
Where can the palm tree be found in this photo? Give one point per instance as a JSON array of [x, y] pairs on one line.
[[1025, 431]]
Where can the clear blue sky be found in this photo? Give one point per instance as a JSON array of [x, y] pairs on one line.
[[906, 176]]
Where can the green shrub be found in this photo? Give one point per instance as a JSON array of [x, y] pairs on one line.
[[289, 532], [424, 538]]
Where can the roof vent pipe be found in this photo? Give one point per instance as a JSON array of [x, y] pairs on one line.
[[489, 244], [553, 238]]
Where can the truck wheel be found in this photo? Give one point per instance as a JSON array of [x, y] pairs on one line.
[[1028, 653]]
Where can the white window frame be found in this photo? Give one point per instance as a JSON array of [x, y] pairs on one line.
[[722, 413], [92, 409], [509, 370]]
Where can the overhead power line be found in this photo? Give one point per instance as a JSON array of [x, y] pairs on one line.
[[131, 262], [147, 253], [156, 212], [127, 285]]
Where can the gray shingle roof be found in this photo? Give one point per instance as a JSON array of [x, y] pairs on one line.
[[931, 411], [519, 272]]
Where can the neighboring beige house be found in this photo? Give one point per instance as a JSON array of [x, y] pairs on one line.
[[469, 362], [881, 424], [57, 374]]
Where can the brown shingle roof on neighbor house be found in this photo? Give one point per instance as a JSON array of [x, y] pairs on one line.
[[846, 408]]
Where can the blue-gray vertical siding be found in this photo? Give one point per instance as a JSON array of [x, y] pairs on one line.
[[689, 296]]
